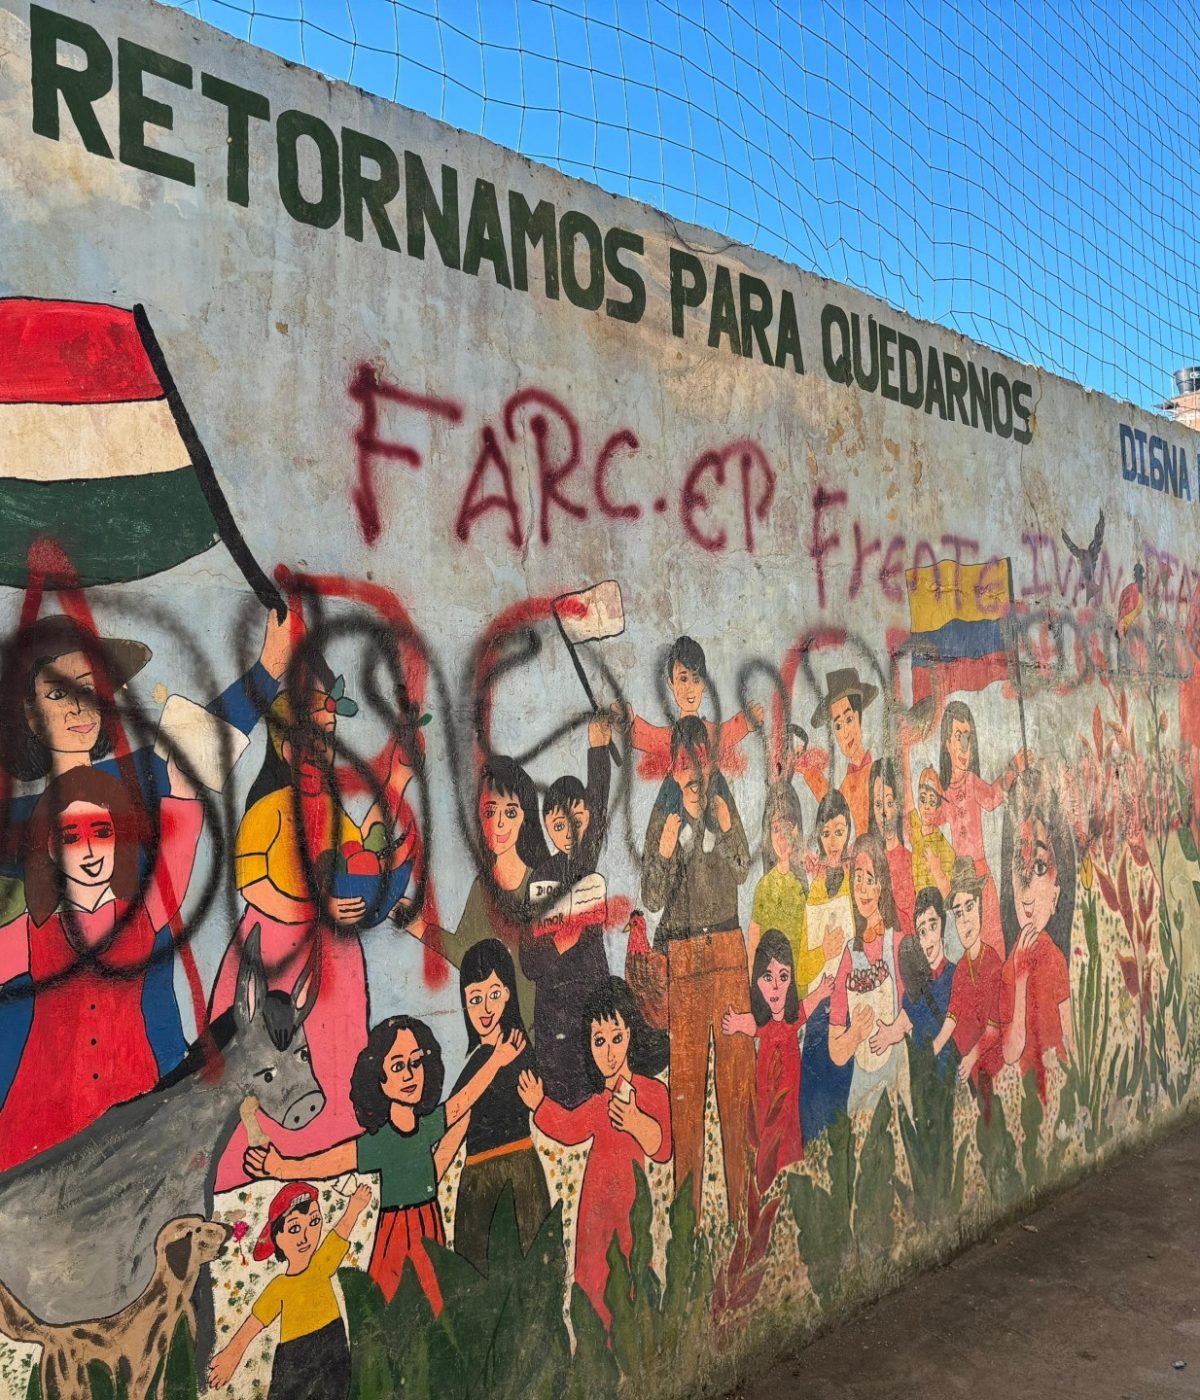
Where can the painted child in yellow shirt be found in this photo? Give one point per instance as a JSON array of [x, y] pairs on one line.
[[312, 1360]]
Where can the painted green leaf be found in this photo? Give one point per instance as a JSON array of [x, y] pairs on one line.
[[179, 1374]]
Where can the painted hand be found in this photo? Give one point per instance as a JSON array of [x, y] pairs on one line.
[[884, 1038], [917, 725], [407, 916], [360, 1200], [221, 1369], [624, 1114], [509, 1048], [531, 1090], [181, 784], [812, 761], [862, 1023], [346, 913], [599, 732], [279, 646], [966, 1065], [670, 836], [835, 941], [721, 812], [733, 1021], [1023, 951], [622, 714], [260, 1162], [400, 769]]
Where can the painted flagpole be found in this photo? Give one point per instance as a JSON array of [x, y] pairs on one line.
[[614, 752], [264, 589], [1016, 659]]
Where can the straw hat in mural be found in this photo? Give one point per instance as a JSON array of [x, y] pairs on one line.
[[842, 684], [55, 635], [965, 879]]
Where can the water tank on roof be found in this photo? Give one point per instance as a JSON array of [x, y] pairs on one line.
[[1187, 381]]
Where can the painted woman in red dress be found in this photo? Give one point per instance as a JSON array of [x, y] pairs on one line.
[[776, 1016], [628, 1119], [1038, 907], [85, 943]]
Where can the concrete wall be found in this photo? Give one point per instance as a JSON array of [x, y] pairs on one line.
[[357, 386]]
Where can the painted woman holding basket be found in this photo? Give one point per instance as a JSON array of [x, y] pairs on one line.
[[868, 991], [310, 874]]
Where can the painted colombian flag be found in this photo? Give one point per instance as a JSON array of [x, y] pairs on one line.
[[959, 614], [97, 453]]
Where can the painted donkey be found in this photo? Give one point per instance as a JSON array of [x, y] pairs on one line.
[[78, 1222]]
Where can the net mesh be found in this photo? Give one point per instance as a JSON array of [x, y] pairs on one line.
[[1018, 172]]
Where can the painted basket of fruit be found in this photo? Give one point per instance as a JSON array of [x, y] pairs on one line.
[[360, 874]]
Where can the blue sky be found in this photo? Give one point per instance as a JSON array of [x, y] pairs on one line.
[[1024, 173]]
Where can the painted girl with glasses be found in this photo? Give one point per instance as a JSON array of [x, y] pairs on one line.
[[395, 1090]]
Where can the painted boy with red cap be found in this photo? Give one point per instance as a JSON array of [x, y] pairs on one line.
[[312, 1360]]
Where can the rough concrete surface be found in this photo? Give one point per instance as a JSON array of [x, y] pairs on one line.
[[1093, 1297], [495, 433]]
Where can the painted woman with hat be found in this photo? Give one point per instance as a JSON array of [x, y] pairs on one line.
[[57, 708], [294, 835], [57, 715], [841, 710], [86, 943]]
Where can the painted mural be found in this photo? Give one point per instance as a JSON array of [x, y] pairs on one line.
[[477, 913]]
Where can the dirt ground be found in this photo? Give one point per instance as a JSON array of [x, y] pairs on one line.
[[1094, 1297]]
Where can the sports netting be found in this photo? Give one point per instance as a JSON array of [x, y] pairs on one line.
[[1023, 173]]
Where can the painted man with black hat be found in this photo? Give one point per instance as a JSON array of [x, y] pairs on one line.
[[841, 709]]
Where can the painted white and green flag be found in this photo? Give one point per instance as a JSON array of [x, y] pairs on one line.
[[98, 457]]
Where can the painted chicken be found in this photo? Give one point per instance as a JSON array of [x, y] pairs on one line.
[[646, 973], [1130, 605]]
